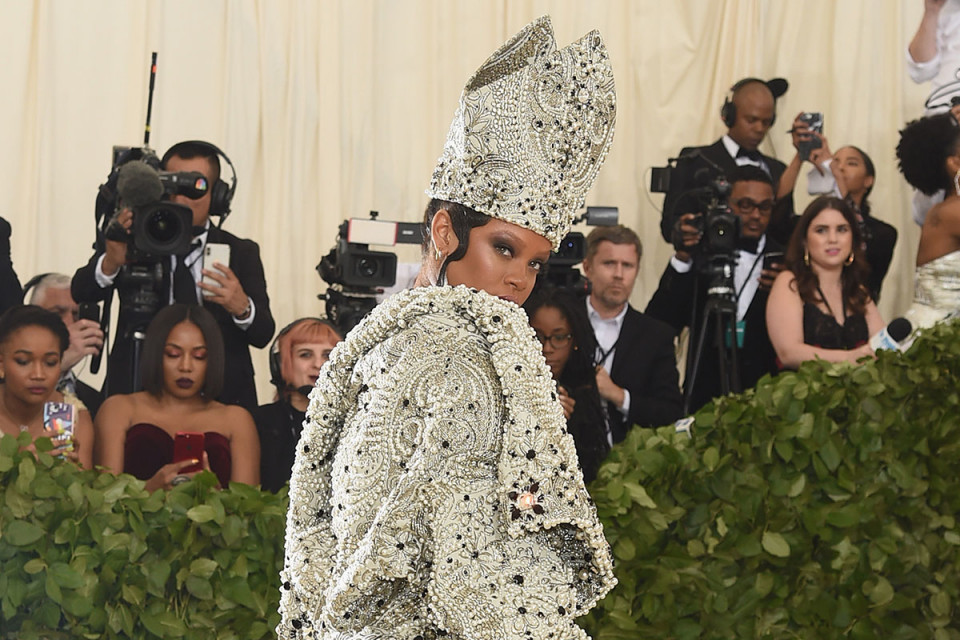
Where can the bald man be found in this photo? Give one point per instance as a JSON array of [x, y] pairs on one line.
[[748, 113]]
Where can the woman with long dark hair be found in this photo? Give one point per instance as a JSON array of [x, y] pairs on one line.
[[182, 373], [819, 306]]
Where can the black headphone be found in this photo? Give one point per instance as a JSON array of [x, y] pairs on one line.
[[276, 374], [728, 112], [31, 283], [221, 194]]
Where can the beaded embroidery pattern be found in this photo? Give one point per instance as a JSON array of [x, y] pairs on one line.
[[435, 488], [531, 132]]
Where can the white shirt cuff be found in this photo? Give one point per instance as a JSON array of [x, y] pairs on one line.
[[625, 407], [103, 279], [678, 265], [246, 322]]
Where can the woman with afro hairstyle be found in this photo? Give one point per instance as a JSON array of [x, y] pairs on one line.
[[929, 155]]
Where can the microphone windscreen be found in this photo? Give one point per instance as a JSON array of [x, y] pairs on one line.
[[899, 328], [138, 184]]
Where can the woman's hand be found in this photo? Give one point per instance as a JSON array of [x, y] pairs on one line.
[[566, 402], [862, 351], [172, 474], [822, 154]]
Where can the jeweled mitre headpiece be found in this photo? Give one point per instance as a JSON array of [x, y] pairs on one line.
[[531, 132]]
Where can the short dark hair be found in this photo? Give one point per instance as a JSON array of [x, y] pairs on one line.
[[151, 363], [462, 219], [750, 173], [617, 234], [924, 147], [30, 315], [195, 149]]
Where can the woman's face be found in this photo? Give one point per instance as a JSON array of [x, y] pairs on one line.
[[30, 362], [184, 361], [308, 357], [502, 259], [829, 239], [554, 333], [854, 171]]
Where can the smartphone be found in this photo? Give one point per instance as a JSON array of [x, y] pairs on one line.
[[772, 258], [58, 421], [814, 120], [213, 252], [89, 311], [188, 445]]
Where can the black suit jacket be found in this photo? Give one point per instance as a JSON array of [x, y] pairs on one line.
[[673, 303], [678, 199], [10, 292], [239, 387], [645, 364]]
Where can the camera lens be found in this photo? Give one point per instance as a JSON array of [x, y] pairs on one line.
[[367, 267], [162, 226]]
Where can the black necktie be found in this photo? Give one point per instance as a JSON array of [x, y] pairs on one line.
[[752, 155], [184, 286]]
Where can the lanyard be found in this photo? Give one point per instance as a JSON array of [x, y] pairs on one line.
[[843, 305], [603, 355], [749, 275]]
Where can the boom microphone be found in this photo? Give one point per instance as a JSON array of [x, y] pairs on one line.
[[890, 337], [139, 185]]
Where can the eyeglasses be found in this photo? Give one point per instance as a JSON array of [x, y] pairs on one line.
[[557, 341], [746, 205]]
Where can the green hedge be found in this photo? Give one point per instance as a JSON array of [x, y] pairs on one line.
[[822, 504], [85, 554]]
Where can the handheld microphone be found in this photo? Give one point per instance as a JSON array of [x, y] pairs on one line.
[[890, 337], [138, 184]]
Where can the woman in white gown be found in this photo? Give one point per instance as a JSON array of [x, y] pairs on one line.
[[929, 154], [436, 492]]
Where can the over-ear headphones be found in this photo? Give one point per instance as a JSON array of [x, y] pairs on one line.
[[221, 194], [728, 112], [31, 283], [274, 356]]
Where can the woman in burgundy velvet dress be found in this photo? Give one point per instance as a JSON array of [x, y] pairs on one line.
[[182, 371]]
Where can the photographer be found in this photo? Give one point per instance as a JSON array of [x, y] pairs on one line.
[[681, 298], [748, 114], [238, 300]]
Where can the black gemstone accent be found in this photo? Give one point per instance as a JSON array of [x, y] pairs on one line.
[[531, 454]]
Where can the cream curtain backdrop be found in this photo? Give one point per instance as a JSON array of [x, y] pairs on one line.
[[331, 109]]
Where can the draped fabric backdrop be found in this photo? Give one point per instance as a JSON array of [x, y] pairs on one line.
[[331, 109]]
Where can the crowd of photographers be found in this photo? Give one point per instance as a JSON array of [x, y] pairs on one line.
[[758, 287]]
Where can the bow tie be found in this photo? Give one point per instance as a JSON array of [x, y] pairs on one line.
[[752, 155]]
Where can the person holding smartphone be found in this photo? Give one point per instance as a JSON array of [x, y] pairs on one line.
[[681, 297], [848, 174], [32, 343], [182, 371]]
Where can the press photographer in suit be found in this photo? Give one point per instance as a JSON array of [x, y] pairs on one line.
[[681, 298], [238, 300], [748, 113]]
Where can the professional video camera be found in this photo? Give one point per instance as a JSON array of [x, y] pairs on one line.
[[720, 228], [356, 274], [560, 271], [160, 227], [715, 258]]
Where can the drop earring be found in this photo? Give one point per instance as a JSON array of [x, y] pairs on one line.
[[849, 260], [806, 257], [956, 182]]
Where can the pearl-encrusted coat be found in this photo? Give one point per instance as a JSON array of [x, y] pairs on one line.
[[436, 490]]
